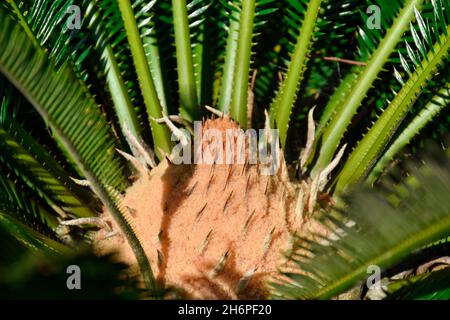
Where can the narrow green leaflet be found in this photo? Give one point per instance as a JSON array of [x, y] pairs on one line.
[[74, 118], [368, 150], [342, 116], [376, 228], [21, 153], [429, 112], [282, 107]]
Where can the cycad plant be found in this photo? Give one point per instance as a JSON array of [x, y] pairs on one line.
[[102, 102]]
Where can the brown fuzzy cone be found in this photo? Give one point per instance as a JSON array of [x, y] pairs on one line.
[[204, 227]]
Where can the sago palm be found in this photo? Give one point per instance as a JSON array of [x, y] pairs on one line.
[[102, 102]]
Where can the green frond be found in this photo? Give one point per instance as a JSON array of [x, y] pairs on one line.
[[238, 107], [131, 61], [343, 115], [282, 106], [206, 25], [46, 24], [369, 149], [377, 228], [29, 236], [146, 16], [22, 277], [74, 118], [245, 20], [428, 286], [226, 85], [161, 136], [26, 220], [32, 164], [97, 25], [337, 98], [15, 7], [370, 36], [189, 106]]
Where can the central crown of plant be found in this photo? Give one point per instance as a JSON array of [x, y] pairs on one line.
[[215, 229]]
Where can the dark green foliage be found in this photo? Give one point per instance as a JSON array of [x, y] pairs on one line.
[[70, 98], [413, 214]]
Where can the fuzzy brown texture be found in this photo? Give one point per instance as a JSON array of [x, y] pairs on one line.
[[247, 216]]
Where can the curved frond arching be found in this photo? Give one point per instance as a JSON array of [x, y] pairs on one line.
[[368, 150], [27, 220], [378, 228], [428, 113], [32, 164]]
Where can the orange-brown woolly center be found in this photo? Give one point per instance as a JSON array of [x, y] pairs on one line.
[[204, 226]]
